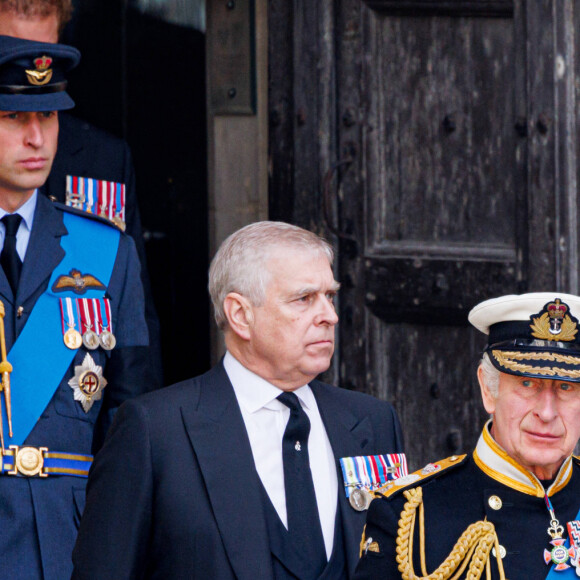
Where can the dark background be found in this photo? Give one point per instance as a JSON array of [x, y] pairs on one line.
[[143, 79]]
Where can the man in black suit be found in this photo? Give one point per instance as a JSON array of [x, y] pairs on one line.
[[236, 473], [83, 149]]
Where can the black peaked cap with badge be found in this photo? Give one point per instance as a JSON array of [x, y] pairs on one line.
[[533, 335], [33, 75]]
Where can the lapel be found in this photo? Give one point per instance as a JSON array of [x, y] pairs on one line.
[[5, 290], [349, 435], [216, 428], [44, 252]]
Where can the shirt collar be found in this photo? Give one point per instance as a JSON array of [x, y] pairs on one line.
[[26, 211], [494, 461], [254, 393]]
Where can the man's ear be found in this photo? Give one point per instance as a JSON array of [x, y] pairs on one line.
[[488, 398], [239, 314]]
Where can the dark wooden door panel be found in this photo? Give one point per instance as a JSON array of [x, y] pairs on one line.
[[432, 203], [447, 133]]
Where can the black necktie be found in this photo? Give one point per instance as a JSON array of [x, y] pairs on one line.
[[301, 507], [9, 258]]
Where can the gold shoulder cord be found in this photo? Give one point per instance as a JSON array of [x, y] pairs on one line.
[[473, 547], [5, 370]]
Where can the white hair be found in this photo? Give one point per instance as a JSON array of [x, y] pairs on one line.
[[241, 263], [490, 375]]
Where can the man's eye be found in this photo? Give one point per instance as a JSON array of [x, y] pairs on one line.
[[566, 387], [330, 296], [527, 383]]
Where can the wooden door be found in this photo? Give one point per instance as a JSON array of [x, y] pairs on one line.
[[446, 175]]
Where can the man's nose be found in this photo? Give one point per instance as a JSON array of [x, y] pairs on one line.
[[328, 313], [546, 405], [34, 134]]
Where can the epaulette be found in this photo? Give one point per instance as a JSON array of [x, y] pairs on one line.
[[91, 216], [576, 459], [430, 471]]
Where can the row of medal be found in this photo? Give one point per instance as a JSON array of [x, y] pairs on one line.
[[88, 322], [103, 198], [366, 473]]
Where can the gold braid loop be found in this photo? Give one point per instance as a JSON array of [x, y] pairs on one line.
[[471, 551]]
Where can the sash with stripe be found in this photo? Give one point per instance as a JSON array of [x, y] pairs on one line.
[[39, 357]]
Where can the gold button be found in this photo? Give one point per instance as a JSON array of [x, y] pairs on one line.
[[502, 552], [495, 503]]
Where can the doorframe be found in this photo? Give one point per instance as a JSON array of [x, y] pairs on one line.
[[237, 143]]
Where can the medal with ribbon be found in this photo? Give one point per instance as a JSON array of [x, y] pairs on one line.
[[71, 336], [559, 554], [365, 473], [88, 322], [106, 336]]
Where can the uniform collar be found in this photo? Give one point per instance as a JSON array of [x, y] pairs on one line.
[[26, 210], [494, 461]]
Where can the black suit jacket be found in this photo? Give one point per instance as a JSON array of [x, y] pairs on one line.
[[174, 493], [86, 151]]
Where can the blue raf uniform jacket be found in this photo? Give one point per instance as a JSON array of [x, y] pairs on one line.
[[39, 517], [460, 491]]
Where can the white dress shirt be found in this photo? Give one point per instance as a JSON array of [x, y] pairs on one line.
[[265, 419], [23, 233]]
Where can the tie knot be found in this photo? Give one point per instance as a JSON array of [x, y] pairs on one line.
[[11, 223], [290, 400]]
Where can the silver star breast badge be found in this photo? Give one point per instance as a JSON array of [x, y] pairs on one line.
[[88, 383]]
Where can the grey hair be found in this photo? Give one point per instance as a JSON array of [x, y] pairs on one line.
[[240, 264], [490, 375]]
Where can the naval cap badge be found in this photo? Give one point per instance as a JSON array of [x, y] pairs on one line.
[[88, 383], [554, 323]]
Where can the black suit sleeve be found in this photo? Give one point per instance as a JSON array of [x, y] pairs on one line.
[[122, 480], [379, 561]]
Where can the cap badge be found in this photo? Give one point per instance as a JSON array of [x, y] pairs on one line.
[[554, 323], [42, 74]]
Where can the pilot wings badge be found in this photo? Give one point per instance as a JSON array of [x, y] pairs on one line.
[[77, 282]]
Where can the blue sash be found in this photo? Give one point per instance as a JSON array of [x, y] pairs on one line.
[[39, 357], [569, 572]]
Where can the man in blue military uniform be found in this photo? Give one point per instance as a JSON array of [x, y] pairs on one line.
[[511, 508], [73, 315], [87, 157]]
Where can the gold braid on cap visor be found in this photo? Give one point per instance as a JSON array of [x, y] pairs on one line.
[[508, 359]]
